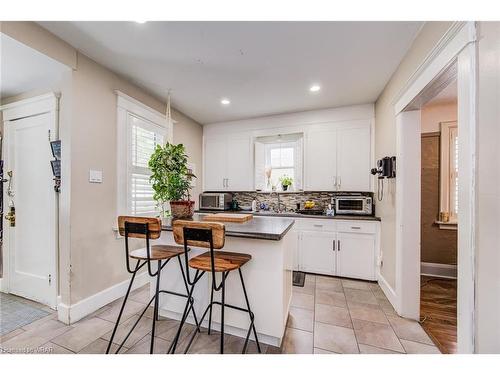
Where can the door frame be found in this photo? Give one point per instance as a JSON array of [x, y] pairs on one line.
[[458, 46], [42, 104]]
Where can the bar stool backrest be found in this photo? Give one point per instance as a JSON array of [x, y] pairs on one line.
[[139, 227], [199, 234]]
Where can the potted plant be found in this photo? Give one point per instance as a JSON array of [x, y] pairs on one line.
[[286, 182], [171, 180]]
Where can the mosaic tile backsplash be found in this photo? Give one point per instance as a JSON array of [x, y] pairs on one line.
[[290, 200]]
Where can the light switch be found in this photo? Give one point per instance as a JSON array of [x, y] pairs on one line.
[[95, 176]]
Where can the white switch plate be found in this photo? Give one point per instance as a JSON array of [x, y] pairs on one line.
[[95, 176]]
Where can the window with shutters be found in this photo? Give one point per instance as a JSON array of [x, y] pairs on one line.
[[140, 130], [449, 170]]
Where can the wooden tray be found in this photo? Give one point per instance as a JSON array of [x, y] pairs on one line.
[[230, 218]]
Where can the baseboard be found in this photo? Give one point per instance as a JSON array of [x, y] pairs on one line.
[[447, 271], [388, 291], [70, 314]]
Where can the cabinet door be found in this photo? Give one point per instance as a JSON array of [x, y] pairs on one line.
[[316, 252], [215, 164], [356, 255], [353, 165], [321, 160], [239, 164]]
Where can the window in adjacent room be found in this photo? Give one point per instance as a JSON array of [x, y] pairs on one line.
[[277, 157], [449, 170]]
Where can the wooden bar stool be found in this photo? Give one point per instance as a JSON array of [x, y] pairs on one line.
[[211, 235], [148, 228]]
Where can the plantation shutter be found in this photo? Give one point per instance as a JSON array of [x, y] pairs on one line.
[[144, 136]]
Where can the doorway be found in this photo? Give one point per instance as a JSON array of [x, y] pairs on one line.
[[30, 246], [454, 58], [438, 218]]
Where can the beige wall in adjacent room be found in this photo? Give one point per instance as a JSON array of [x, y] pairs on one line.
[[437, 245], [385, 137]]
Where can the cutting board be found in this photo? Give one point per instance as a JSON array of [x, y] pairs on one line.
[[230, 218]]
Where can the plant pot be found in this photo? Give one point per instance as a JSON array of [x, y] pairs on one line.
[[182, 209], [285, 188]]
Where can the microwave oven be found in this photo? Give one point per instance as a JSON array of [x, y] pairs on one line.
[[215, 201], [353, 205]]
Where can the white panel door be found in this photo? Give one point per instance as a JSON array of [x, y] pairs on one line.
[[239, 164], [321, 160], [317, 252], [215, 164], [353, 164], [356, 255], [32, 241]]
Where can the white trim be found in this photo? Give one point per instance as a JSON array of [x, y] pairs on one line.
[[30, 107], [447, 48], [408, 198], [133, 105], [447, 271], [388, 291], [445, 167], [73, 313]]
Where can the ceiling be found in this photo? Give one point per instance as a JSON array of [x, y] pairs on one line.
[[22, 69], [446, 96], [263, 68]]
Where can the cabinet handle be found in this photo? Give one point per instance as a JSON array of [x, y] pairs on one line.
[[333, 245], [338, 247], [227, 182], [335, 181], [355, 227], [340, 181], [318, 225]]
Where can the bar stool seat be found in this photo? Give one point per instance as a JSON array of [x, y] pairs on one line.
[[157, 252], [223, 261]]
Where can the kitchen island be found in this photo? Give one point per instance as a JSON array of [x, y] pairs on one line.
[[268, 278]]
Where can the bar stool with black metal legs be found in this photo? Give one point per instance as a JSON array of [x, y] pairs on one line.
[[149, 229], [212, 236]]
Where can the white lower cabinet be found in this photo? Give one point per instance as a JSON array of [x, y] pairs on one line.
[[356, 255], [317, 253], [343, 248]]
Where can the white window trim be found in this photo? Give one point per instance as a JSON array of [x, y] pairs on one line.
[[125, 105], [446, 129]]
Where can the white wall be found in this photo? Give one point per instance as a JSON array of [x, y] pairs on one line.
[[488, 197]]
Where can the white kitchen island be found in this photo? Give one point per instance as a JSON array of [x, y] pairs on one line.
[[268, 278]]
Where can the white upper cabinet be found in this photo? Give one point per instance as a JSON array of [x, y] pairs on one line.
[[321, 160], [228, 164], [338, 158], [215, 164], [239, 173], [353, 159]]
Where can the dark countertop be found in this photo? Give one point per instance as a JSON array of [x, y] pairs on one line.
[[298, 216], [263, 228]]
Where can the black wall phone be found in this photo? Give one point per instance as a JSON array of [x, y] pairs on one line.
[[386, 168]]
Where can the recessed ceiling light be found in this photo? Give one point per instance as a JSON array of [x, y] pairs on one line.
[[141, 21], [314, 88], [225, 101]]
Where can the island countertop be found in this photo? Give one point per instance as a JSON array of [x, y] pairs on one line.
[[260, 227]]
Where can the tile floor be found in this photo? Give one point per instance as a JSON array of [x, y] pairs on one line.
[[328, 315]]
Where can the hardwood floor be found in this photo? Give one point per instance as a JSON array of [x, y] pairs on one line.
[[438, 311]]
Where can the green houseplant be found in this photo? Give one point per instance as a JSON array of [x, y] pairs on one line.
[[286, 182], [171, 180]]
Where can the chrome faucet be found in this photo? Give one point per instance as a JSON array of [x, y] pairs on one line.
[[278, 208]]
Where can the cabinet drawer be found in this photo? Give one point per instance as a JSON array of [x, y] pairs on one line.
[[317, 225], [356, 227]]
